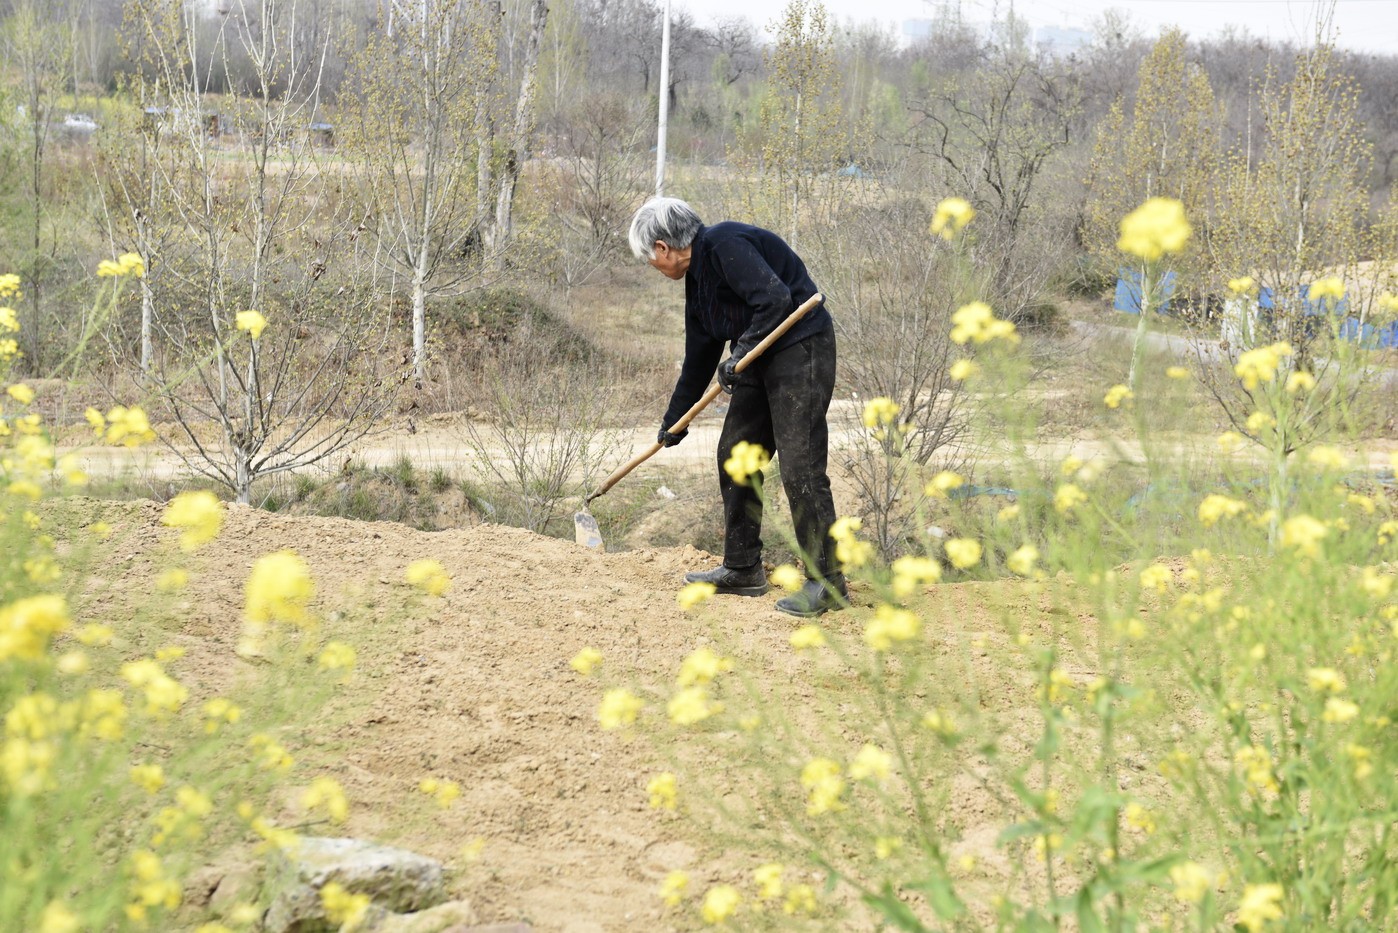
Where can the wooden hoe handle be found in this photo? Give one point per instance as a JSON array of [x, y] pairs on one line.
[[709, 396]]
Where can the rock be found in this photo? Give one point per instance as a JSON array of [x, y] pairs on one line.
[[453, 915], [237, 886], [394, 879]]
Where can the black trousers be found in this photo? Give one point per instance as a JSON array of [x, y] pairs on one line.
[[781, 402]]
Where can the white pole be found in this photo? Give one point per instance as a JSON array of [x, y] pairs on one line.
[[664, 103]]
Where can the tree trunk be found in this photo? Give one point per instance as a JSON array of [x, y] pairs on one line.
[[420, 318], [147, 321], [519, 137]]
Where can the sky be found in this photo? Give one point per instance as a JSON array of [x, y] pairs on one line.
[[1360, 25]]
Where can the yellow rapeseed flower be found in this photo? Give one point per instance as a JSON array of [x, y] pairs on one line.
[[768, 879], [1376, 583], [429, 576], [1156, 577], [951, 217], [691, 705], [692, 595], [444, 792], [1303, 533], [1332, 287], [849, 550], [57, 918], [1260, 905], [1155, 228], [910, 573], [1192, 882], [940, 722], [1338, 710], [218, 711], [890, 624], [129, 426], [27, 625], [586, 661], [964, 553], [336, 656], [1243, 285], [962, 370], [343, 909], [1116, 395], [721, 902], [1022, 561], [976, 322], [808, 636], [800, 899], [1260, 421], [9, 285], [1325, 680], [278, 589], [744, 461], [619, 707], [943, 483], [150, 778], [1327, 457], [886, 846], [1230, 441], [20, 393], [872, 763], [1256, 765], [663, 790], [1138, 817], [326, 793], [788, 578], [822, 779], [880, 412], [172, 580], [673, 887], [701, 666], [1360, 757], [1299, 382], [1177, 372], [252, 322], [1068, 497], [1259, 365], [1215, 508]]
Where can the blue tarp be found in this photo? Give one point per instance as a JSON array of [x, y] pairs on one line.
[[1128, 292], [1367, 335]]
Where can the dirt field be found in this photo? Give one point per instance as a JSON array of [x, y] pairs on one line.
[[476, 688]]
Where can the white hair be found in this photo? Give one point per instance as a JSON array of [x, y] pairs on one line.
[[667, 220]]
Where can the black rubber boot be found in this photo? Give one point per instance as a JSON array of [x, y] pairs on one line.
[[749, 582], [817, 597]]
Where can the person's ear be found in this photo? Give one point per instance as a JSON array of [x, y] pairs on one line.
[[661, 247]]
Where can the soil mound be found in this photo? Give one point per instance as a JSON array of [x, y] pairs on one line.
[[474, 687]]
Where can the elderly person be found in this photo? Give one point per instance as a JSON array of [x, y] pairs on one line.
[[740, 282]]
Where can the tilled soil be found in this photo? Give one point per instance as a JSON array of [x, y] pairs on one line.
[[475, 687]]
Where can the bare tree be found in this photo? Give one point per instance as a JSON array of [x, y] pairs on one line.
[[517, 144], [413, 108], [262, 236], [39, 46]]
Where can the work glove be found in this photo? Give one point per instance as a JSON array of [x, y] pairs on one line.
[[666, 439], [727, 375]]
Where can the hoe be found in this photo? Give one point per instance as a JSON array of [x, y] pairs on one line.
[[585, 530]]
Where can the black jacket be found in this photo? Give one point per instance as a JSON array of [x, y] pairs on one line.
[[742, 282]]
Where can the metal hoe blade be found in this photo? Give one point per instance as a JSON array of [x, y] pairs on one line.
[[586, 532]]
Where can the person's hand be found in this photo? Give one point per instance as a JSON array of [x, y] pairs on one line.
[[727, 374], [666, 439]]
